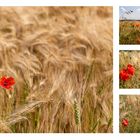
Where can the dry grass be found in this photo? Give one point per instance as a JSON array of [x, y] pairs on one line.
[[130, 57], [61, 59], [130, 109]]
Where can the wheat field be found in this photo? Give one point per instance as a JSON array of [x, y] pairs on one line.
[[130, 110], [130, 57], [61, 60]]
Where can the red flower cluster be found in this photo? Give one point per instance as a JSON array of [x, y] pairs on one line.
[[125, 122], [126, 74], [7, 82]]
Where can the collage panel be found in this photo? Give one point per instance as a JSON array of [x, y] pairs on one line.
[[56, 69], [129, 65], [129, 25], [129, 113]]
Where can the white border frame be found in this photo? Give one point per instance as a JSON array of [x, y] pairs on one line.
[[116, 48]]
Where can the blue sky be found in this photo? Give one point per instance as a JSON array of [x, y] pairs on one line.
[[133, 16]]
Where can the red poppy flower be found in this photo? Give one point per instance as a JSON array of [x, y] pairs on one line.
[[124, 75], [130, 69], [7, 82], [127, 73], [136, 25], [125, 122]]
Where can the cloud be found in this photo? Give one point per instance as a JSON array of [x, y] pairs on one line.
[[135, 15]]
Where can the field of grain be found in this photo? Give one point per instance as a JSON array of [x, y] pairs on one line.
[[129, 76], [129, 32], [130, 114], [61, 61]]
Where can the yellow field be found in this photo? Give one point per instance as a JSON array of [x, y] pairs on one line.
[[61, 60]]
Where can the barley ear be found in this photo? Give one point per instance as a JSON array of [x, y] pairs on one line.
[[76, 113]]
